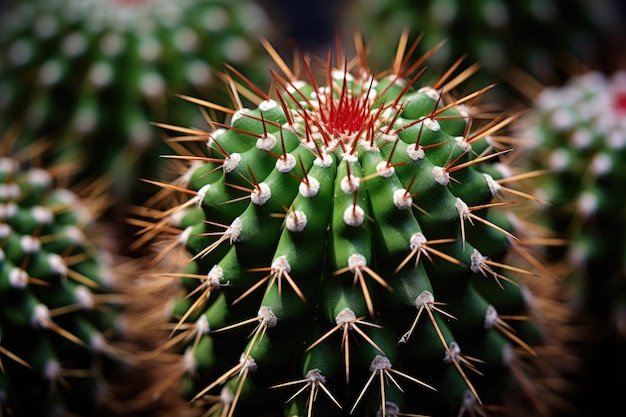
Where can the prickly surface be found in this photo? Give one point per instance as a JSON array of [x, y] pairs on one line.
[[94, 74], [59, 314], [348, 244]]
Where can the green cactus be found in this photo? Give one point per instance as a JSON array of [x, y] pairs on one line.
[[535, 36], [578, 132], [60, 313], [95, 74], [349, 246]]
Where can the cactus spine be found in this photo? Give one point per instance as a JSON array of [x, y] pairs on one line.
[[348, 245]]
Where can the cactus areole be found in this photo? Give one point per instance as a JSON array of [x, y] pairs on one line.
[[347, 244]]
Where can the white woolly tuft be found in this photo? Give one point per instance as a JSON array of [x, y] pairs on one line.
[[261, 194], [345, 316], [266, 105], [41, 316], [238, 114], [18, 278], [462, 143], [379, 363], [462, 209], [266, 142], [310, 187], [84, 297], [201, 195], [354, 216], [267, 317], [491, 315], [296, 221], [442, 177], [402, 200], [494, 187], [384, 169], [477, 261], [350, 183], [415, 152], [425, 297], [234, 230], [215, 276], [231, 162], [432, 125], [9, 191], [356, 261], [30, 244], [57, 264], [323, 161], [183, 238], [285, 163], [202, 325]]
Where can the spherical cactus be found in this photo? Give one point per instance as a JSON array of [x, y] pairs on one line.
[[95, 74], [579, 133], [59, 311], [349, 245], [499, 34]]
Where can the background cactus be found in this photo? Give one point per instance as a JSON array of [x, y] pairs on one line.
[[95, 74], [578, 131], [60, 309], [537, 36], [350, 243]]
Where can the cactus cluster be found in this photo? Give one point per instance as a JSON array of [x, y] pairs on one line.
[[354, 243], [578, 131], [94, 74], [59, 311], [501, 35]]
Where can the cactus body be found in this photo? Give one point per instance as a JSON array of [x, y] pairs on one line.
[[95, 74], [579, 133], [59, 314], [347, 248]]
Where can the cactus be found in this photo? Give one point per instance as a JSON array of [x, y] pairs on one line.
[[351, 244], [95, 74], [579, 133], [60, 316], [499, 34]]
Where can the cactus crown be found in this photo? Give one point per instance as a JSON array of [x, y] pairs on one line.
[[348, 236]]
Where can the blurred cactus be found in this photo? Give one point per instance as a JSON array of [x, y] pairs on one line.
[[60, 312], [94, 74], [535, 36], [578, 131], [353, 244]]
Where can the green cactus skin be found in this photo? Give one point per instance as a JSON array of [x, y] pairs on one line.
[[347, 247], [501, 35], [94, 74], [579, 133], [59, 313]]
